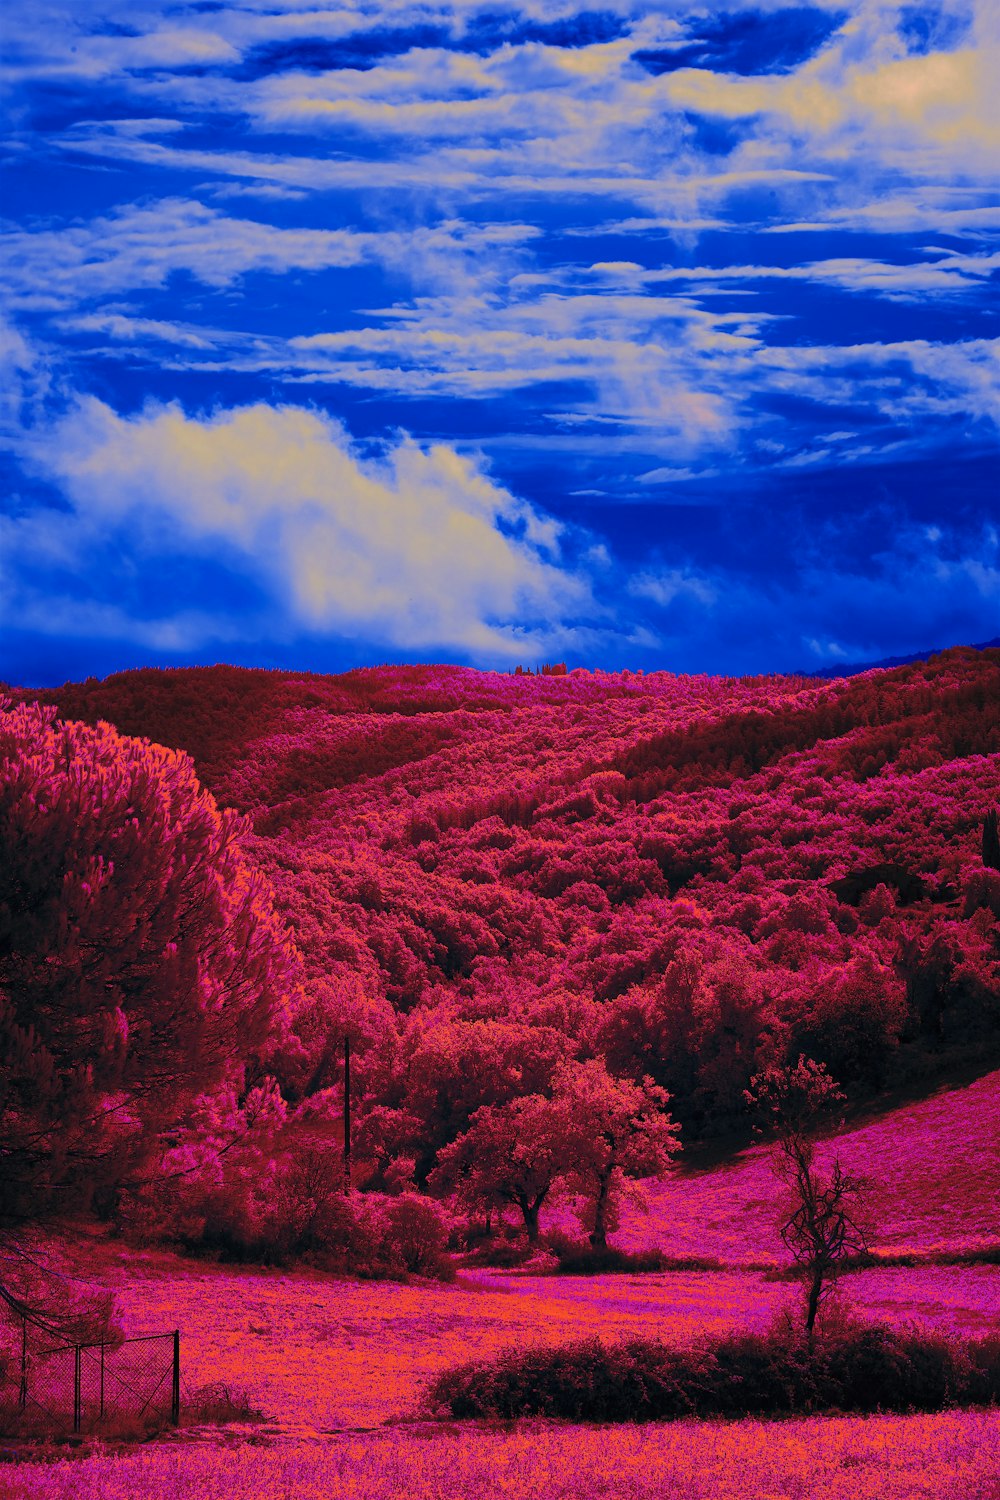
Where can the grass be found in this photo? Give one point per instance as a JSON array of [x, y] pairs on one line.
[[934, 1182], [314, 1351], [324, 1358], [873, 1458]]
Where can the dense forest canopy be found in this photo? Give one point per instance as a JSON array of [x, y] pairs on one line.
[[689, 877]]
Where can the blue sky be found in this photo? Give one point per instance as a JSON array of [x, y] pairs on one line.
[[645, 335]]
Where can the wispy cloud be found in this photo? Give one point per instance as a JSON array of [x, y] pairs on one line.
[[140, 247], [648, 258]]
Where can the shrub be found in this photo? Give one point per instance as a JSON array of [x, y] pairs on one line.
[[218, 1402], [847, 1367], [413, 1234], [500, 1254], [579, 1259], [278, 1210]]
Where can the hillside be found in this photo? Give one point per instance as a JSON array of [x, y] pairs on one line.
[[687, 875], [931, 1170]]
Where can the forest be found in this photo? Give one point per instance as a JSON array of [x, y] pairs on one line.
[[532, 904]]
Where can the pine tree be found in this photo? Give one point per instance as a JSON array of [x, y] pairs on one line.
[[141, 960]]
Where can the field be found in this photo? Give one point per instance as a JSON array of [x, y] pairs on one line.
[[878, 1458], [338, 1367], [933, 1169]]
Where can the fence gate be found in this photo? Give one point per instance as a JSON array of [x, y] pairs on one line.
[[50, 1387]]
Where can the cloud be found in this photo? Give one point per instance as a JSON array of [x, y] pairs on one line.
[[420, 549], [924, 113], [663, 588], [908, 380], [140, 246], [948, 274], [122, 326], [922, 587], [540, 233]]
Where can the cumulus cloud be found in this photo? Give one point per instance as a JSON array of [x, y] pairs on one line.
[[419, 549], [926, 113]]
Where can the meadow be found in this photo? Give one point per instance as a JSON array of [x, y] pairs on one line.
[[932, 1167], [339, 1367], [874, 1458]]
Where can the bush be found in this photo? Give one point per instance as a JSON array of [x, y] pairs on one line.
[[413, 1235], [576, 1258], [499, 1254], [279, 1210], [218, 1402], [851, 1368]]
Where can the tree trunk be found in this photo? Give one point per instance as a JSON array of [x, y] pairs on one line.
[[530, 1211], [599, 1233], [812, 1299]]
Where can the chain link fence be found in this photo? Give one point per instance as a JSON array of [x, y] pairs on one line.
[[52, 1388]]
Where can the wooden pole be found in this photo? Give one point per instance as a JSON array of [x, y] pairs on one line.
[[347, 1114]]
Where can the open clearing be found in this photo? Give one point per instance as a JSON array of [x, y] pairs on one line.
[[933, 1169], [339, 1366], [327, 1359]]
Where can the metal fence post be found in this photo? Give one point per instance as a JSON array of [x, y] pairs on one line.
[[77, 1402], [175, 1394]]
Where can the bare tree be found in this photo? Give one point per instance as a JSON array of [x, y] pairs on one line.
[[822, 1220]]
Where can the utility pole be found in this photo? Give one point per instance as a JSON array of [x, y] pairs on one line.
[[347, 1114]]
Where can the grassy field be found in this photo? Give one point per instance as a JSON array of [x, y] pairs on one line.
[[326, 1359], [318, 1352], [339, 1367], [933, 1168], [953, 1456]]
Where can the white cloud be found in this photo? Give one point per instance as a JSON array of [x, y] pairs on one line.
[[947, 273], [924, 114], [663, 588], [420, 550], [122, 326], [908, 380], [138, 247]]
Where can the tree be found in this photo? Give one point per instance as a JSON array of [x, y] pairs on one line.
[[449, 1068], [821, 1223], [618, 1130], [511, 1154], [141, 960]]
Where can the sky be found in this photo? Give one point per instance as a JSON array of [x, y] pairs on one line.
[[650, 335]]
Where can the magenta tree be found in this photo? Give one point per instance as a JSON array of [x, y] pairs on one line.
[[822, 1218], [141, 960], [511, 1155], [619, 1130]]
